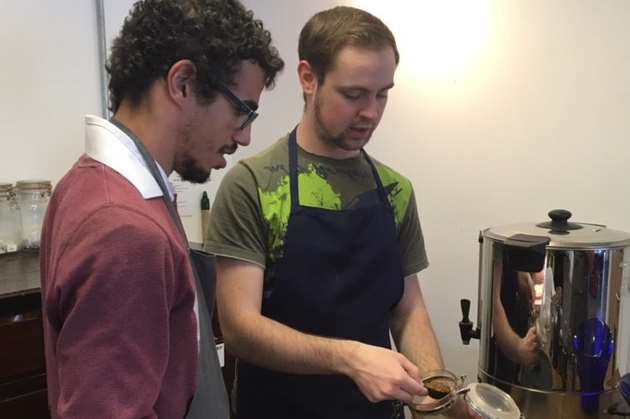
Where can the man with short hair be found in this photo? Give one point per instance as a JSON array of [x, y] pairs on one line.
[[318, 247], [126, 319]]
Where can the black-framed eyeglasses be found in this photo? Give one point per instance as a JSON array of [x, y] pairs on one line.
[[243, 108]]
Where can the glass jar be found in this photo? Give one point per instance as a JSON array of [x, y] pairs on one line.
[[32, 197], [10, 220], [450, 398]]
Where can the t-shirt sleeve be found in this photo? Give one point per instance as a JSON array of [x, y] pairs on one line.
[[236, 228], [413, 252]]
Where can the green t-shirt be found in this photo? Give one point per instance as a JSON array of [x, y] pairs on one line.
[[250, 213]]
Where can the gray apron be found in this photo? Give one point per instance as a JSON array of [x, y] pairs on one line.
[[210, 400]]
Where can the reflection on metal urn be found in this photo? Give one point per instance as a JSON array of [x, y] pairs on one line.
[[553, 317]]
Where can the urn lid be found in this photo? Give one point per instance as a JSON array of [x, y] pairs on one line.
[[562, 233]]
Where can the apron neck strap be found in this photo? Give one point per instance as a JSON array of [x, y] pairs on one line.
[[293, 172], [155, 172], [293, 169]]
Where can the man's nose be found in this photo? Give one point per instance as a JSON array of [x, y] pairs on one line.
[[242, 137], [371, 110]]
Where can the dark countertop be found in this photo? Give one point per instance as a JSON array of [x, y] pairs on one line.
[[19, 274], [20, 282]]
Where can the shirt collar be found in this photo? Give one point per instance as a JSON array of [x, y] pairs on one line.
[[107, 144]]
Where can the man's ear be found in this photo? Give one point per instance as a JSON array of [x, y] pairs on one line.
[[180, 79], [307, 77]]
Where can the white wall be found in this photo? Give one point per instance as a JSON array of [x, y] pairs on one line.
[[49, 78], [535, 117]]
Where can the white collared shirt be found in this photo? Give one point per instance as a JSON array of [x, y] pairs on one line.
[[108, 144]]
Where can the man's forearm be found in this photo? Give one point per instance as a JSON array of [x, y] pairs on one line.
[[412, 330], [270, 344], [379, 373], [416, 339]]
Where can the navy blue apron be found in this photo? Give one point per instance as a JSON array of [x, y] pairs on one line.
[[340, 276]]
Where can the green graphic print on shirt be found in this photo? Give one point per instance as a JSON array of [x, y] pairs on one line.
[[316, 191], [250, 213]]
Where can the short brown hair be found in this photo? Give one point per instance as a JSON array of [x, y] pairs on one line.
[[328, 31]]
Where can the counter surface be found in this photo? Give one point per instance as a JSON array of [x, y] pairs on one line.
[[19, 274]]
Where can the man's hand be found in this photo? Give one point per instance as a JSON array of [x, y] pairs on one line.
[[383, 374], [527, 350]]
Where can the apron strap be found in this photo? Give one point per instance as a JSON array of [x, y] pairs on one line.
[[293, 173], [155, 172], [377, 178], [293, 170]]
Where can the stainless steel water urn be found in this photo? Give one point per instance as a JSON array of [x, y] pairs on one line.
[[553, 317]]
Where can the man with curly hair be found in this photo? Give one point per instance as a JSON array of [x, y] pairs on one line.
[[126, 314]]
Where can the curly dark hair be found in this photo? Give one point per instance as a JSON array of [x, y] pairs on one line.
[[216, 35]]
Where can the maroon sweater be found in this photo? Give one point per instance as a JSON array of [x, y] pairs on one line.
[[118, 295]]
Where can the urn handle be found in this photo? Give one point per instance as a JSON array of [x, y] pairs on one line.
[[559, 223], [559, 217]]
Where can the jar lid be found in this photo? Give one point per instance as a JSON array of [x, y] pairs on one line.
[[6, 188], [32, 185], [491, 402]]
